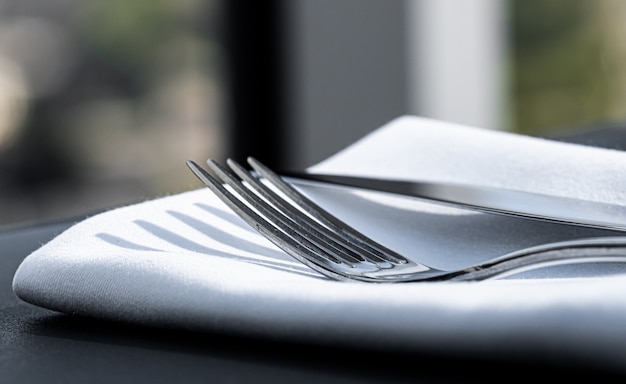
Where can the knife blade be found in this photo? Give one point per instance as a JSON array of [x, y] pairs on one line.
[[530, 205]]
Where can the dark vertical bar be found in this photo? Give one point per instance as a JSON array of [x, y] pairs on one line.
[[255, 59]]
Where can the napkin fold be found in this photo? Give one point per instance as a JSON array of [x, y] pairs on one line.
[[186, 261]]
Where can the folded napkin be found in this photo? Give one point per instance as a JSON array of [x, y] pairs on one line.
[[186, 261]]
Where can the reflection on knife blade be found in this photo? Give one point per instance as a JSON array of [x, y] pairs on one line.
[[510, 202]]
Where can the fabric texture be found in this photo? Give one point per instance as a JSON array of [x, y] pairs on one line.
[[186, 261]]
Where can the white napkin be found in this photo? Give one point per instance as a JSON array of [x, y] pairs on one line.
[[185, 261]]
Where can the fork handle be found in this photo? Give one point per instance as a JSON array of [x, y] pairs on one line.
[[592, 250]]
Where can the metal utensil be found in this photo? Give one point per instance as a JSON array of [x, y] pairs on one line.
[[510, 202], [330, 246]]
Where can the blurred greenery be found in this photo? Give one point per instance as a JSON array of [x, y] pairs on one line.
[[566, 67], [114, 96]]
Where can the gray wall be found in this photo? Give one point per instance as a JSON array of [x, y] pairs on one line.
[[347, 63], [354, 65]]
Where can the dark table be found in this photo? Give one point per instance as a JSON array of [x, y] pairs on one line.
[[38, 345]]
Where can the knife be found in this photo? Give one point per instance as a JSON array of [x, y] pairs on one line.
[[544, 207]]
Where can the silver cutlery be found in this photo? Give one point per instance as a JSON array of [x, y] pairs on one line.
[[559, 209], [331, 247]]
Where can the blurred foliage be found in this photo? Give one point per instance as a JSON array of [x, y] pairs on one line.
[[565, 64], [128, 30], [116, 95], [133, 33]]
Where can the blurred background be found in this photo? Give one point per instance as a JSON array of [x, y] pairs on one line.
[[102, 101]]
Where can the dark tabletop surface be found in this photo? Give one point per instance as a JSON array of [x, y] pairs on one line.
[[38, 345]]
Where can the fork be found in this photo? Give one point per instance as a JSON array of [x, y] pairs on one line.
[[316, 238]]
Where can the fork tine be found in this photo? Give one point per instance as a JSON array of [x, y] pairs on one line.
[[355, 250], [340, 227], [309, 255], [284, 218], [246, 199]]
